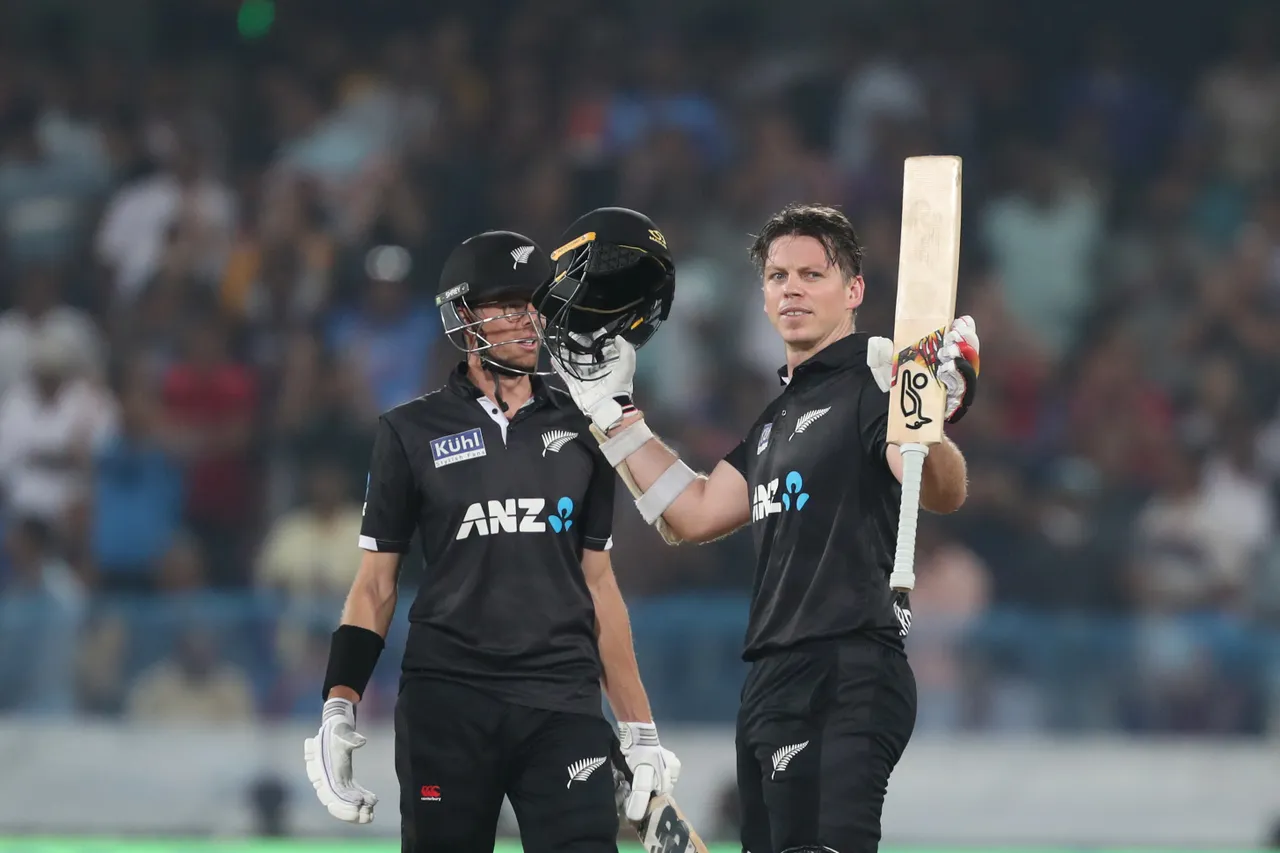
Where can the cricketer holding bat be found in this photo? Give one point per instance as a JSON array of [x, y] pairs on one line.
[[830, 700], [518, 622]]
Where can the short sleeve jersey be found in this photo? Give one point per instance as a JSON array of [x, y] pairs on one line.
[[824, 506], [504, 510]]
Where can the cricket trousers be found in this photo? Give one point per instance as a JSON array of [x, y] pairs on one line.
[[460, 750], [819, 732]]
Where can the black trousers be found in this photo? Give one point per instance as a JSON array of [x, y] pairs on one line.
[[819, 733], [459, 751]]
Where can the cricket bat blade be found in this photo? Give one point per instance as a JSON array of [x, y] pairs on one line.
[[664, 828], [928, 275]]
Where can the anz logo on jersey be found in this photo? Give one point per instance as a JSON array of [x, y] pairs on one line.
[[766, 501], [515, 515]]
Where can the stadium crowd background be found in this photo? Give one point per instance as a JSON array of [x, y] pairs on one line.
[[219, 238]]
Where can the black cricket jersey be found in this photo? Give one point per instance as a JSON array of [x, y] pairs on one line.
[[504, 511], [824, 506]]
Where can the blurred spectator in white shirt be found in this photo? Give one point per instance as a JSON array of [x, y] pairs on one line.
[[50, 426], [183, 209], [39, 308]]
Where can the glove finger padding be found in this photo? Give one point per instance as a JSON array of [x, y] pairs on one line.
[[969, 376], [673, 767], [328, 762], [644, 781]]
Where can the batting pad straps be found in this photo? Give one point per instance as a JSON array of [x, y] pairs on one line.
[[664, 491], [622, 445]]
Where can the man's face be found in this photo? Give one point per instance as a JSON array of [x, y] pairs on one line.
[[806, 296], [508, 326]]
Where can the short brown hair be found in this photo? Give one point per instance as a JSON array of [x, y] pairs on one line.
[[825, 224]]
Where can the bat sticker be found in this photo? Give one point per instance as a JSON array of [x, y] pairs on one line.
[[667, 832], [913, 383], [925, 355]]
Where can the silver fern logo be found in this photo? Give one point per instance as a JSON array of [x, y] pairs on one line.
[[783, 757], [521, 255], [556, 439], [806, 420], [580, 770]]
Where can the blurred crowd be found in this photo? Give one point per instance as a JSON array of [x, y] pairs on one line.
[[218, 263]]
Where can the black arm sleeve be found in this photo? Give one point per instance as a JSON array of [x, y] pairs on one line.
[[738, 457], [873, 421], [597, 510], [392, 500]]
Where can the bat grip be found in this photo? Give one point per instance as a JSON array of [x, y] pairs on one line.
[[904, 561]]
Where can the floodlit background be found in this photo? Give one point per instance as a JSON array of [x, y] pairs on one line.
[[220, 225]]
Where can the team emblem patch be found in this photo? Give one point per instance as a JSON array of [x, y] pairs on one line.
[[764, 438], [555, 439], [458, 447]]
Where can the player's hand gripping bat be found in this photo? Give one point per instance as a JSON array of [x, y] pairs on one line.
[[664, 828]]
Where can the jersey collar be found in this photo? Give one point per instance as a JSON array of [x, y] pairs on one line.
[[846, 352], [460, 383]]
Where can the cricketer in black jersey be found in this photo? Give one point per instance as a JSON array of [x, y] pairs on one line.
[[824, 506], [829, 703], [517, 626], [504, 510]]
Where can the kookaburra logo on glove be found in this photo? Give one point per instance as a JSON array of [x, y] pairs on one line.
[[950, 354]]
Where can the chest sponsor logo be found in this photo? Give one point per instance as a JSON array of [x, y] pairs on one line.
[[555, 439], [766, 501], [806, 420], [458, 447], [764, 438], [515, 515]]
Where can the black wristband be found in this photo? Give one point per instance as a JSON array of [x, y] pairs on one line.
[[353, 654]]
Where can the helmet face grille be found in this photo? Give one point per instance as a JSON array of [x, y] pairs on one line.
[[602, 291]]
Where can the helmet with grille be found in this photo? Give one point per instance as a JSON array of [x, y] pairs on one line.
[[499, 268], [613, 277]]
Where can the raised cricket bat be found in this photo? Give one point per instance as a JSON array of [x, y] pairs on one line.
[[928, 270]]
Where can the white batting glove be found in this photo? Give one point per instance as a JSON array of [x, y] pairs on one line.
[[328, 757], [958, 366], [605, 392], [654, 770]]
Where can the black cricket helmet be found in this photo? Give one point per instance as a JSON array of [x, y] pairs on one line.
[[495, 267], [613, 277]]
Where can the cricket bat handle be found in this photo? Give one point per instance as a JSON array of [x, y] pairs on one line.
[[904, 561]]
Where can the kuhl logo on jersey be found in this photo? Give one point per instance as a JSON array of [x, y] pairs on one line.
[[515, 515], [458, 447], [766, 501]]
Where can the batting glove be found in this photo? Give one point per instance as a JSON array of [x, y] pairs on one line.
[[958, 366], [953, 355], [654, 770], [328, 757], [604, 393]]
